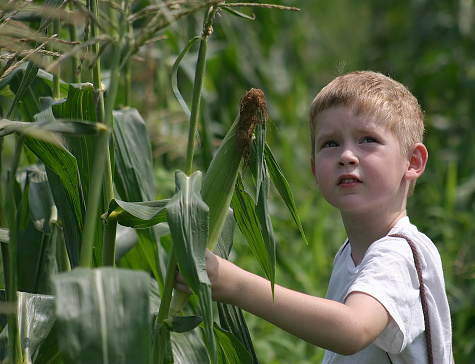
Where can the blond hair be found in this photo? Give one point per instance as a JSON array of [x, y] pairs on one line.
[[373, 94]]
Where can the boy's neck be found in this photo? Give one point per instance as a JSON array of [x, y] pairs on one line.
[[363, 230]]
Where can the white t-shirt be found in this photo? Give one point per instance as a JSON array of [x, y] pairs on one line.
[[387, 273]]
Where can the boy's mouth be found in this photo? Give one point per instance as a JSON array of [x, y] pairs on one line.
[[348, 180]]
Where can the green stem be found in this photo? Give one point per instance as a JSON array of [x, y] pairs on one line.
[[168, 286], [12, 283], [57, 71], [73, 36], [195, 105], [64, 265], [102, 157], [96, 72], [197, 87]]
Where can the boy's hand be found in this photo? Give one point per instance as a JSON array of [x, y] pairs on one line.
[[221, 274]]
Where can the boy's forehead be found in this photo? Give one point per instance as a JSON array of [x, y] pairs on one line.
[[336, 117]]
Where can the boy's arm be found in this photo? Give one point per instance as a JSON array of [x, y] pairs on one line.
[[342, 328]]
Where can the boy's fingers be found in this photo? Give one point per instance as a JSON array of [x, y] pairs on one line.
[[179, 277], [182, 287], [180, 284]]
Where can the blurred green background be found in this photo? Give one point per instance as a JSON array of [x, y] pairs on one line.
[[426, 45]]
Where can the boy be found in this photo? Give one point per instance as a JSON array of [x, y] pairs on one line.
[[367, 152]]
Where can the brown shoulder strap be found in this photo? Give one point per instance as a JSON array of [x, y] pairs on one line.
[[422, 290]]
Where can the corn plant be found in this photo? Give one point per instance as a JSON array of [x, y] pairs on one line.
[[80, 196]]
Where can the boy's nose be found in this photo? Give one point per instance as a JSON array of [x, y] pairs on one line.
[[347, 157]]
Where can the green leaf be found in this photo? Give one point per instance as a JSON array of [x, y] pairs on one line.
[[231, 317], [182, 323], [133, 173], [103, 316], [138, 215], [66, 189], [225, 241], [248, 222], [27, 80], [42, 208], [134, 181], [74, 171], [71, 226], [283, 188], [152, 251], [42, 130], [230, 349], [188, 220], [188, 347], [175, 89], [80, 105], [267, 230], [258, 148], [38, 332], [36, 242]]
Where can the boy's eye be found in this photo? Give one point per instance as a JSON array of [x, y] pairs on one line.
[[369, 140], [330, 144]]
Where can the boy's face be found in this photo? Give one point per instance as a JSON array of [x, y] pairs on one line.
[[358, 165]]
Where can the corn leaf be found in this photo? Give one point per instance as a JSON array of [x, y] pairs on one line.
[[231, 317], [133, 172], [174, 77], [267, 231], [134, 181], [80, 105], [36, 244], [27, 79], [258, 145], [182, 323], [103, 316], [138, 215], [248, 221], [63, 177], [152, 251], [188, 347], [188, 220], [282, 187], [71, 225], [126, 239], [39, 129], [36, 319], [42, 209], [143, 216], [72, 165], [230, 349]]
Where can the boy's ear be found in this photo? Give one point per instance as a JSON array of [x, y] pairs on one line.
[[417, 162], [312, 165]]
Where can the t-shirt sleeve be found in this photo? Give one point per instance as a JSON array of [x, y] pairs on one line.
[[388, 274]]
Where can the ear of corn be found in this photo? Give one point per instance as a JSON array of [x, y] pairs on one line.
[[220, 179]]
